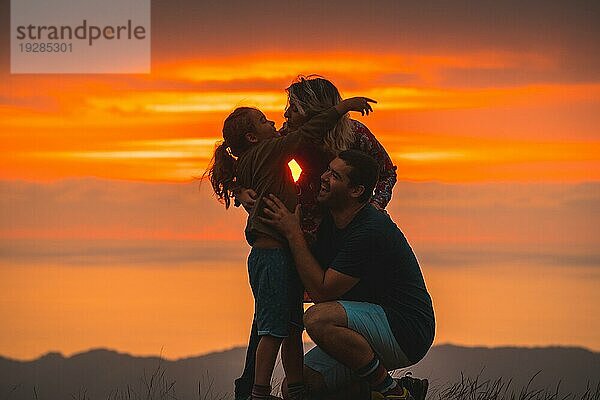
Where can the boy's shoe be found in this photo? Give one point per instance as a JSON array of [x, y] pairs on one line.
[[416, 387], [403, 395]]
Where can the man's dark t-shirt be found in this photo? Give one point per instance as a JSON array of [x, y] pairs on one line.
[[373, 249]]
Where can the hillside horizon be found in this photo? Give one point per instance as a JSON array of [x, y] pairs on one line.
[[102, 372], [307, 345]]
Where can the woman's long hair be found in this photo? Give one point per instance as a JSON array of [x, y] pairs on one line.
[[222, 168], [313, 94]]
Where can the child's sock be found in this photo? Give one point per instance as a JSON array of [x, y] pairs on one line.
[[260, 392], [378, 378], [296, 391]]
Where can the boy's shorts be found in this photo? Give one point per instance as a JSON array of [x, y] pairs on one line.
[[277, 291], [371, 322]]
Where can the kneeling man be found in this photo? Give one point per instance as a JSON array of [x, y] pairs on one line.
[[372, 311]]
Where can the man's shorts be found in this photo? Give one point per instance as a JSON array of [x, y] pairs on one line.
[[371, 322], [277, 291]]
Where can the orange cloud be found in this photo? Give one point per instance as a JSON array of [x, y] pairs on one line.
[[285, 66], [449, 159], [163, 126]]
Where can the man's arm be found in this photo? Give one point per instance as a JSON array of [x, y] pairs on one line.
[[321, 285]]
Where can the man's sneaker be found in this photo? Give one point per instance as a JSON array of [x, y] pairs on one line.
[[416, 387], [403, 395]]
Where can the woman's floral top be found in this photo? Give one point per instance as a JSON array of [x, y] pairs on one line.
[[314, 161]]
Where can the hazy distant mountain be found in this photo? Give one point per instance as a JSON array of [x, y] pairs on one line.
[[99, 372]]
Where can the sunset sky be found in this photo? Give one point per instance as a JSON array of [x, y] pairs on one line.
[[490, 110]]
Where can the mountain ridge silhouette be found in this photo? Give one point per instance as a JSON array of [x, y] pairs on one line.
[[100, 371]]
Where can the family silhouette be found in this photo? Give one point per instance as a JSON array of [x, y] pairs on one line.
[[328, 239]]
